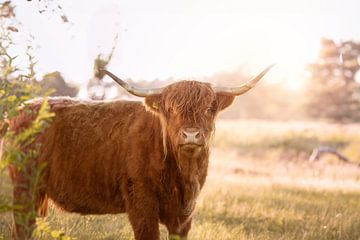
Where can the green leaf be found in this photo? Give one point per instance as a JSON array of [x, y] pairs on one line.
[[11, 98], [56, 234]]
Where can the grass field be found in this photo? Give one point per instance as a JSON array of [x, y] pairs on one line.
[[260, 186]]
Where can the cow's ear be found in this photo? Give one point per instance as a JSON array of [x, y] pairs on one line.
[[224, 100], [153, 102]]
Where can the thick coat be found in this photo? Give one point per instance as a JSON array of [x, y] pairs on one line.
[[148, 160], [123, 156]]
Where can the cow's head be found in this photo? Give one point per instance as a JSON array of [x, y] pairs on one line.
[[188, 109]]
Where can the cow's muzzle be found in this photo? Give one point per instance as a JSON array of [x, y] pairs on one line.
[[192, 136]]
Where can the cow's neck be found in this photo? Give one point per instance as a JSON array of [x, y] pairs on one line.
[[189, 165], [185, 176]]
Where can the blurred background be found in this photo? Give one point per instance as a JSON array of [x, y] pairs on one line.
[[314, 43], [285, 160]]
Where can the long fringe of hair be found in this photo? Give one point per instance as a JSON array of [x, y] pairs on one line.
[[190, 99]]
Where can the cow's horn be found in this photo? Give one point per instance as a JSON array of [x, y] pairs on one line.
[[140, 92], [236, 91]]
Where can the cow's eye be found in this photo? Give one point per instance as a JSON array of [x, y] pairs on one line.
[[209, 110]]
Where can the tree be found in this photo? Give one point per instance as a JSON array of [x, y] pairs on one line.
[[56, 82], [333, 90]]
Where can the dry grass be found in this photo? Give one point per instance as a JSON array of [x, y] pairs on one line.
[[260, 186]]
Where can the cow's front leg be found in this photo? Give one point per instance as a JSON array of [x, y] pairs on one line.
[[145, 227], [179, 228], [143, 212]]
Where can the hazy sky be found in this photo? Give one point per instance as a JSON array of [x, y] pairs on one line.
[[186, 39]]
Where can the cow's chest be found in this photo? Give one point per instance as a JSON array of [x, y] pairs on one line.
[[180, 198]]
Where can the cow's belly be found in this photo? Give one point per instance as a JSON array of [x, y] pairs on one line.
[[86, 208], [86, 203], [85, 195]]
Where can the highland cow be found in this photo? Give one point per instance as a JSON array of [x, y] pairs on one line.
[[147, 160]]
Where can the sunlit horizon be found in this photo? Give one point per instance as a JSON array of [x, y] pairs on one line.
[[187, 40]]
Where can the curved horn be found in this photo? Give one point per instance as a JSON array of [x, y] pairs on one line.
[[236, 91], [140, 92]]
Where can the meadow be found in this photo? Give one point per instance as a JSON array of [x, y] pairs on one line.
[[260, 186]]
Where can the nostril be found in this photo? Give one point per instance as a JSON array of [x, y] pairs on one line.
[[197, 134], [184, 134]]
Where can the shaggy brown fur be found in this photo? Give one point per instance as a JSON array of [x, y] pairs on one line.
[[117, 157]]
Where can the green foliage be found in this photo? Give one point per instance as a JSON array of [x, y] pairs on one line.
[[44, 230], [15, 90]]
